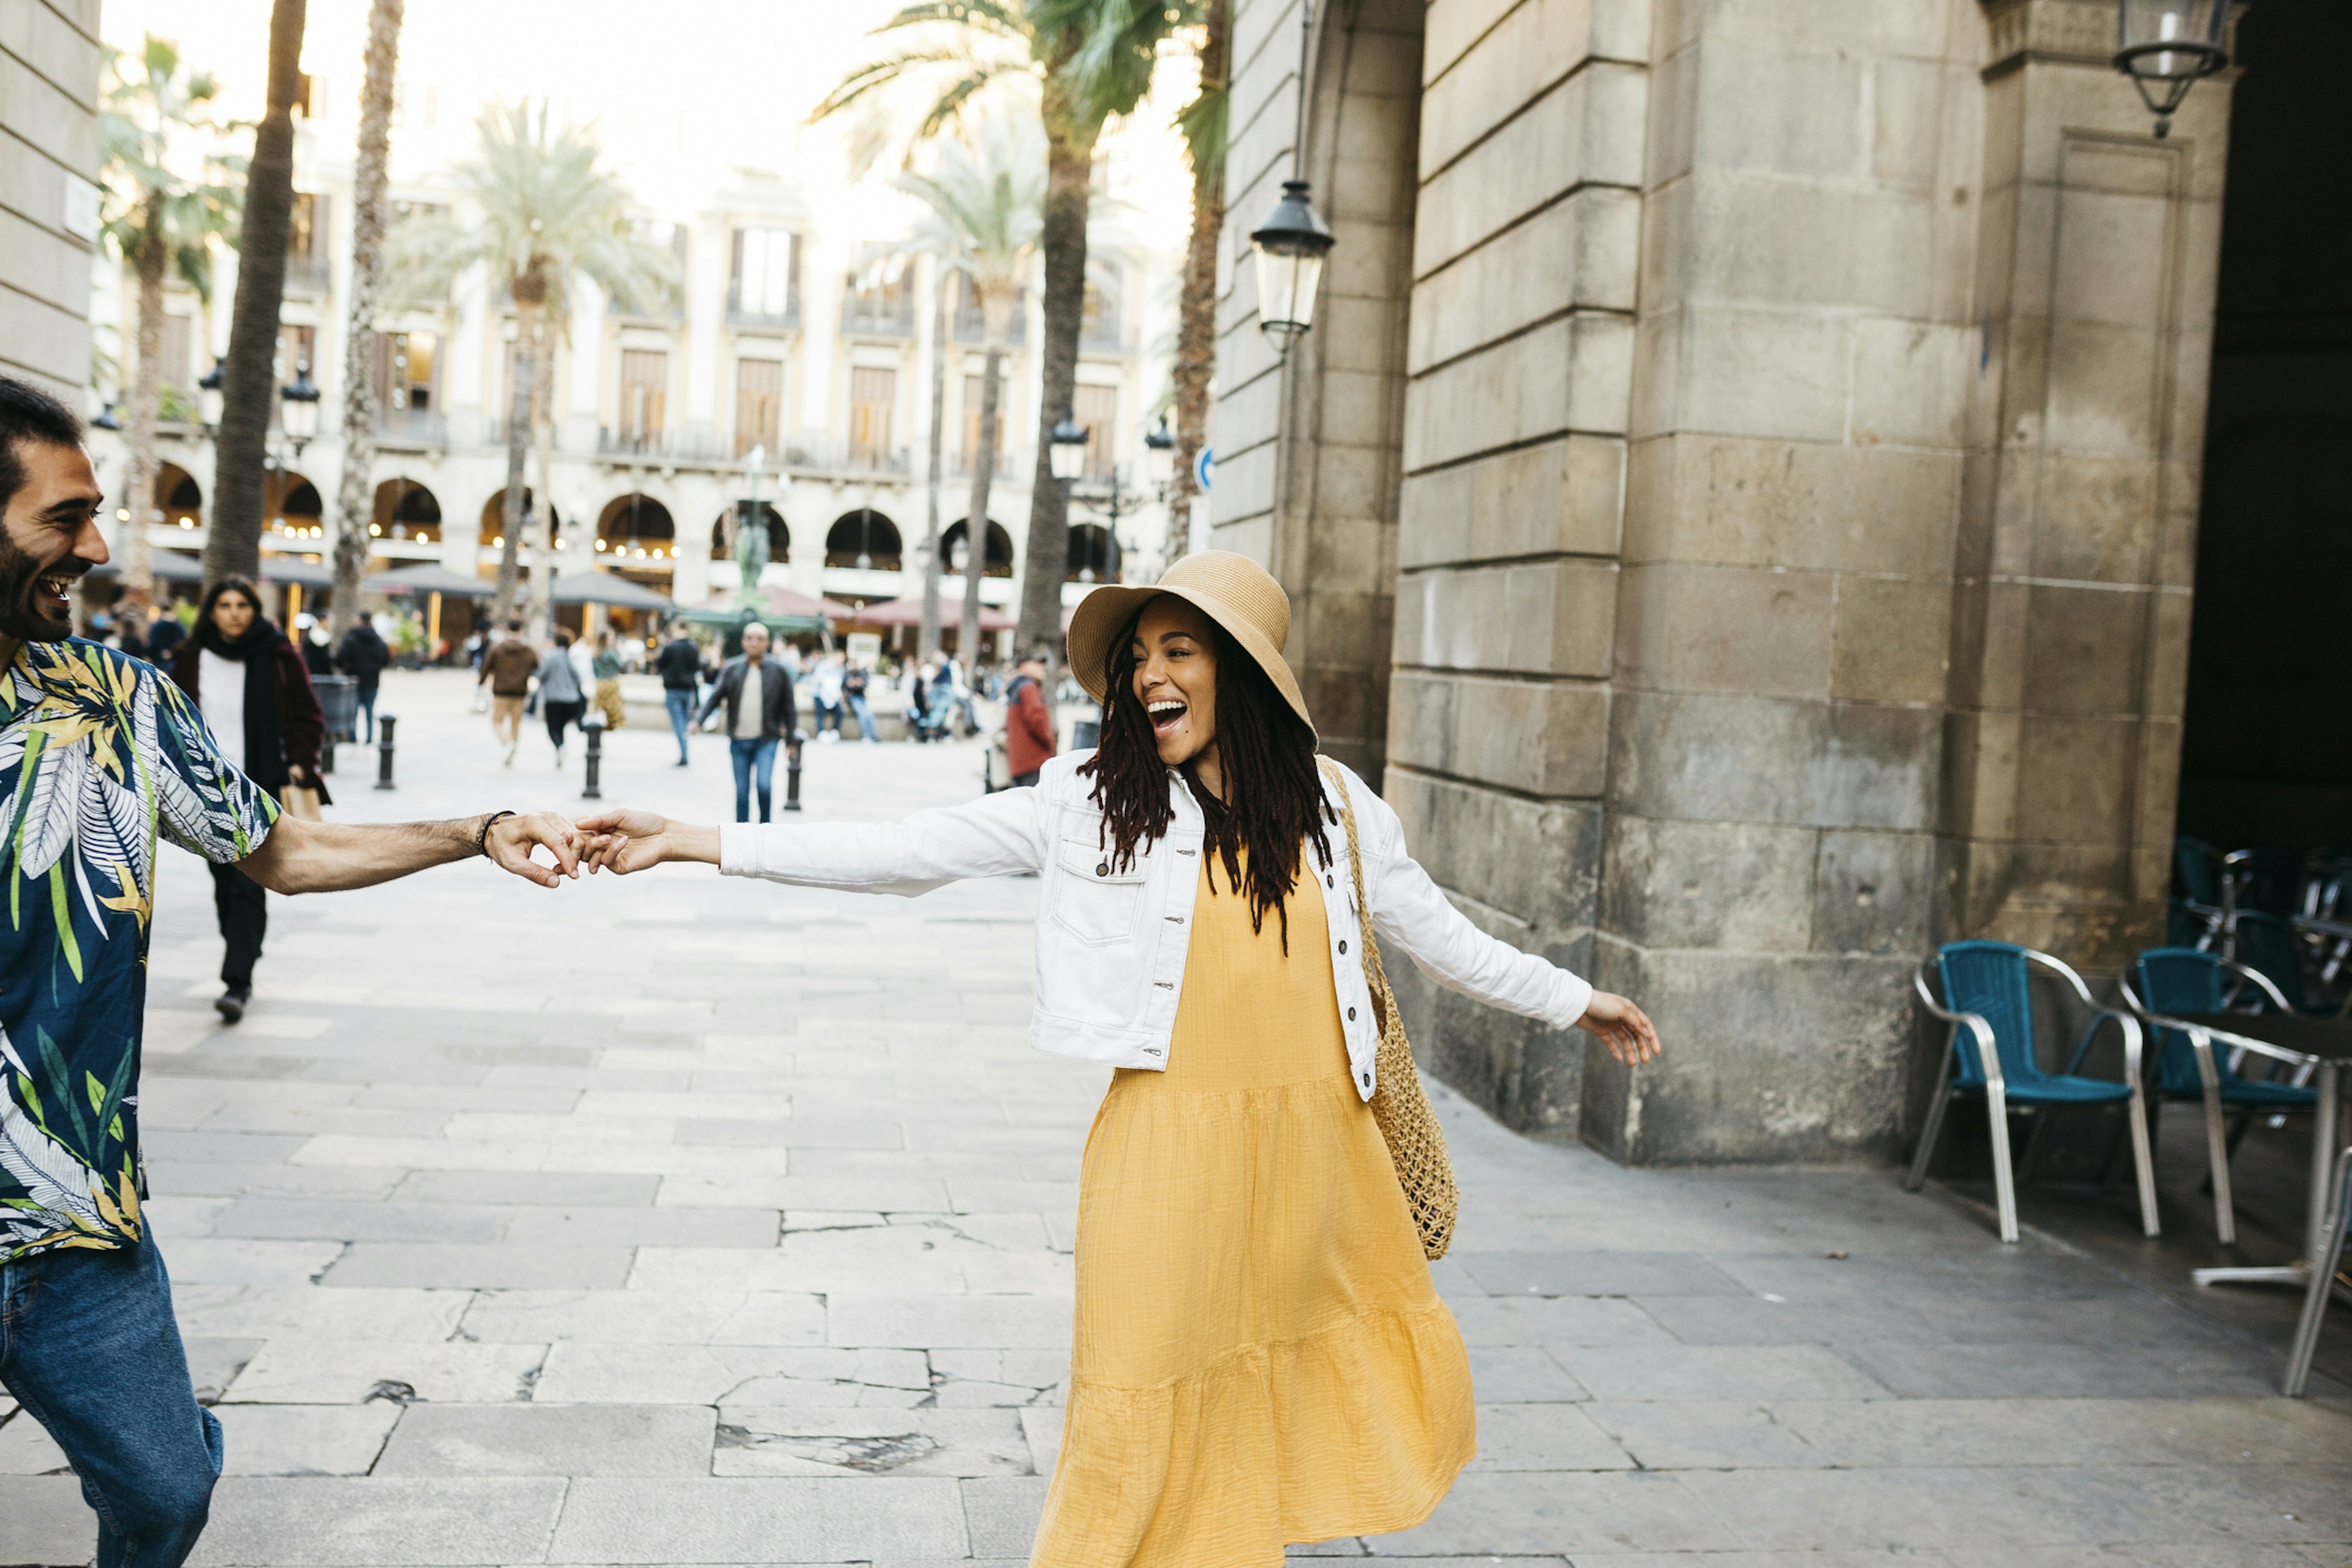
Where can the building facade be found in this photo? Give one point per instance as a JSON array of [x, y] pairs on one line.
[[1742, 492], [49, 62], [796, 372]]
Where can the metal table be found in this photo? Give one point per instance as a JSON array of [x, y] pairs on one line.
[[2326, 1045]]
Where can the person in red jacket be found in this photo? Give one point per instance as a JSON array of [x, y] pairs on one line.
[[1028, 728]]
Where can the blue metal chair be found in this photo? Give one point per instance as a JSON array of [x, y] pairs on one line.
[[2176, 980], [2194, 914], [2272, 944], [1991, 1052], [2325, 1282]]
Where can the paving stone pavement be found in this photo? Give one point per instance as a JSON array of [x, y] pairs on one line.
[[691, 1221]]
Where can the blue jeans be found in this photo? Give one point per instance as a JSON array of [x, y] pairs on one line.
[[88, 1347], [749, 755], [864, 711], [681, 715], [367, 706]]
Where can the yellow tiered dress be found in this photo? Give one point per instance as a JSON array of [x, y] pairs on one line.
[[1259, 1357]]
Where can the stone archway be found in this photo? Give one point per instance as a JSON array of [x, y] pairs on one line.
[[405, 510]]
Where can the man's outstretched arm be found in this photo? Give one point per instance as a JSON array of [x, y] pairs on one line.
[[300, 857]]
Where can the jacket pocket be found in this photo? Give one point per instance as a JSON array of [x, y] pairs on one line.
[[1094, 899]]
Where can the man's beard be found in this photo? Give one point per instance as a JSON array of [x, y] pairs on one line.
[[22, 616]]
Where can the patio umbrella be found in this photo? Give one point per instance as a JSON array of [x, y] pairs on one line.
[[429, 577], [168, 565], [283, 569], [910, 612], [605, 588], [780, 609]]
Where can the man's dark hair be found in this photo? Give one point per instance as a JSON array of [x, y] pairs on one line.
[[29, 414]]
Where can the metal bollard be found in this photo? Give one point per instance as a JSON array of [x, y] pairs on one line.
[[384, 726], [593, 727], [792, 773]]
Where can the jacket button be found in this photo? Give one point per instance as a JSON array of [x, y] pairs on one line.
[[1343, 947], [1102, 868], [1351, 1015], [1329, 883], [1368, 1080]]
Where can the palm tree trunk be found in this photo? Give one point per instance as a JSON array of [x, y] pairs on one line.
[[146, 395], [232, 542], [931, 563], [984, 475], [518, 454], [355, 505], [542, 518], [1196, 330], [1069, 168]]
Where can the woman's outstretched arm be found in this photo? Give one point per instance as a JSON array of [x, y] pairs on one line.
[[996, 836]]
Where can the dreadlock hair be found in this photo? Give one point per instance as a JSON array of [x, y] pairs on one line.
[[1274, 795]]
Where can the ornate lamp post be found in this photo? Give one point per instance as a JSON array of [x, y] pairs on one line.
[[297, 409], [1291, 245], [1160, 455], [1068, 456], [2165, 46], [209, 395]]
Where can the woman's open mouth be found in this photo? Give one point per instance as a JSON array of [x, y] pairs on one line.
[[1167, 716]]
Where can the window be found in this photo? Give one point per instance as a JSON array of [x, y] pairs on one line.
[[1100, 316], [671, 237], [178, 377], [766, 290], [405, 363], [970, 449], [873, 393], [1095, 411], [759, 406], [879, 301], [645, 386], [306, 242]]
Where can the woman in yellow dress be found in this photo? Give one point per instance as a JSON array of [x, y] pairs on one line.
[[1258, 1356]]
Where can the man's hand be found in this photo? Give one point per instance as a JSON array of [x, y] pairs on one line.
[[1624, 1029], [513, 838], [625, 840]]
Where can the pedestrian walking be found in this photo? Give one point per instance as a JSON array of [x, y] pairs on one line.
[[914, 697], [679, 664], [562, 696], [1259, 1355], [87, 1343], [254, 692], [756, 721], [604, 667], [363, 655], [508, 666], [826, 684], [165, 634], [854, 683], [1028, 727]]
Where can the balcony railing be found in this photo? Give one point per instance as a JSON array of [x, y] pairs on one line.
[[706, 448], [866, 317], [410, 427], [848, 457]]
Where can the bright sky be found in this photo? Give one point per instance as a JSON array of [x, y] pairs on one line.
[[683, 97]]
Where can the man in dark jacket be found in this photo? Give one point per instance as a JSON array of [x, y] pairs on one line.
[[1028, 728], [754, 723], [507, 669], [679, 664], [362, 656]]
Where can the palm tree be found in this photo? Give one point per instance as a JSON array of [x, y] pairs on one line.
[[355, 505], [157, 222], [550, 215], [983, 199], [1203, 124], [240, 448], [1090, 61]]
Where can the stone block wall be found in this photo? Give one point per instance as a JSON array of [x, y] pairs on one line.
[[50, 60]]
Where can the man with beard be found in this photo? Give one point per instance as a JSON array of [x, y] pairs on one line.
[[100, 755]]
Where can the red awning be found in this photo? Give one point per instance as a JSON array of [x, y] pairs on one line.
[[909, 613]]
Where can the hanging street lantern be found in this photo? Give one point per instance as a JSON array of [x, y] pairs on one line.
[[1160, 455], [1291, 245], [2166, 46], [297, 409], [1068, 440], [209, 396]]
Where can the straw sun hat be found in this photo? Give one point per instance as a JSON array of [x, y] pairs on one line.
[[1232, 590]]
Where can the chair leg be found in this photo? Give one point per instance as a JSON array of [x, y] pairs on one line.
[[2004, 1178], [2323, 1284], [2217, 1146], [1928, 1137], [2145, 1160]]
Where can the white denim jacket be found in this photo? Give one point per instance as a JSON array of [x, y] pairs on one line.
[[1111, 943]]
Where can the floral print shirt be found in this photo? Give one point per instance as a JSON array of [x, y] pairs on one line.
[[99, 753]]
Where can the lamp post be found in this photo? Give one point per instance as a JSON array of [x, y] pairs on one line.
[[2165, 46], [1068, 457], [297, 409], [1291, 245], [1160, 455], [209, 395]]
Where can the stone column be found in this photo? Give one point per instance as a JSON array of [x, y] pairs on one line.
[[1801, 380], [50, 60], [2097, 269]]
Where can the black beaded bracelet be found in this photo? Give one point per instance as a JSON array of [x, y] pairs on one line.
[[482, 841]]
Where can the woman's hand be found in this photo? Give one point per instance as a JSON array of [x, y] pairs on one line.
[[1624, 1029], [625, 840]]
